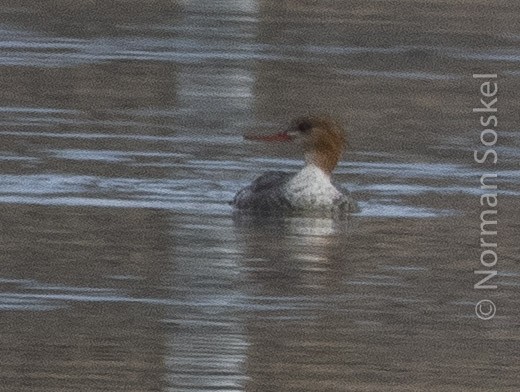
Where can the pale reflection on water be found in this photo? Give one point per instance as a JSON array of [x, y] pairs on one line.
[[124, 267]]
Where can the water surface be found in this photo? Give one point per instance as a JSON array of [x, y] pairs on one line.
[[125, 269]]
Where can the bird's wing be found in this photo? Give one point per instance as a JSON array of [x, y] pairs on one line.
[[264, 193]]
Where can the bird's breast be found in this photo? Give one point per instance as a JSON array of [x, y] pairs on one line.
[[311, 188]]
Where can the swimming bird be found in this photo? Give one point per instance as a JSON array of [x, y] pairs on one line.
[[323, 142]]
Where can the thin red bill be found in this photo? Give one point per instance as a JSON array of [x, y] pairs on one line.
[[277, 137]]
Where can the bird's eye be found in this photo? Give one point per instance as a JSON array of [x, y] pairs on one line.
[[304, 126]]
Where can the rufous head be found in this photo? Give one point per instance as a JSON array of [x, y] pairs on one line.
[[322, 139]]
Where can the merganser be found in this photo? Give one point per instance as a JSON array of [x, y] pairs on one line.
[[311, 189]]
